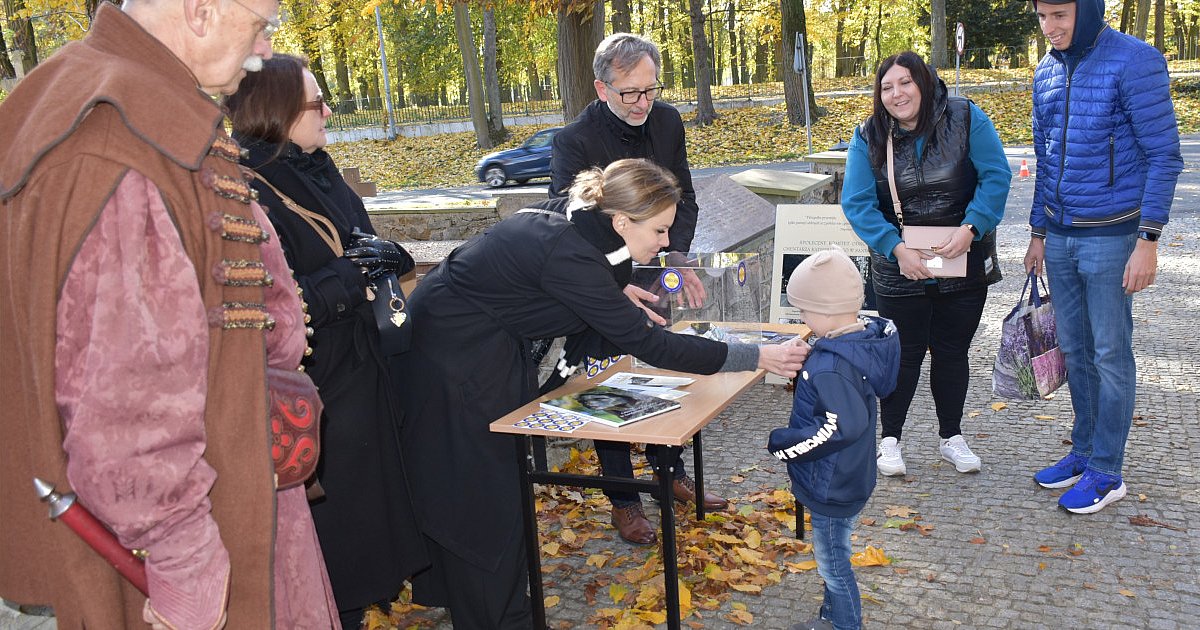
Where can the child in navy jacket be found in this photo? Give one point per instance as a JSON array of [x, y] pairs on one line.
[[829, 443]]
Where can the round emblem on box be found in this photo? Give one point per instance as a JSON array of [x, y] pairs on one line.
[[742, 274], [671, 280]]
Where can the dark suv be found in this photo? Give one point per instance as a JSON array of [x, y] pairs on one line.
[[531, 159]]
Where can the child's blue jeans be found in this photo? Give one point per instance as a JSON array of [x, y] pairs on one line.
[[831, 548]]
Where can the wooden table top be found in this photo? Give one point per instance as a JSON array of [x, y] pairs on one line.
[[707, 398]]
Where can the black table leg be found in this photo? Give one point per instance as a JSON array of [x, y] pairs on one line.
[[533, 554], [698, 464], [666, 477]]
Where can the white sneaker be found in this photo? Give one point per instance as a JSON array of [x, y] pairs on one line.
[[956, 451], [890, 461]]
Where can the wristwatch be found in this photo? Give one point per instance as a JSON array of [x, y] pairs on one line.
[[1147, 235], [973, 229]]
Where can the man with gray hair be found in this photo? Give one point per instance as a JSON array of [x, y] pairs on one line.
[[149, 317], [627, 121]]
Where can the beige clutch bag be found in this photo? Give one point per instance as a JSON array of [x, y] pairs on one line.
[[927, 237]]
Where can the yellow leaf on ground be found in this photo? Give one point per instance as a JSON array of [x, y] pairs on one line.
[[568, 536], [747, 588], [617, 592], [870, 557], [552, 601], [597, 560], [1127, 593], [685, 597], [753, 539], [903, 511], [738, 606], [653, 616], [740, 617], [550, 548], [1043, 417], [807, 565], [725, 538], [997, 406]]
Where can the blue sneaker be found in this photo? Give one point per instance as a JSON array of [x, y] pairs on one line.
[[1094, 491], [1065, 473]]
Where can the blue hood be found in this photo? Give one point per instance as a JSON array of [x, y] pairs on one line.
[[871, 352], [1089, 21]]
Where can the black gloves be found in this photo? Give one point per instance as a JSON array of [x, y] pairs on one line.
[[378, 257]]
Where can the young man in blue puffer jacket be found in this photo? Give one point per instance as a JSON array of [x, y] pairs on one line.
[[829, 443], [1108, 158]]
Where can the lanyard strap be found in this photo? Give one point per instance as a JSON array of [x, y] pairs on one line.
[[891, 177]]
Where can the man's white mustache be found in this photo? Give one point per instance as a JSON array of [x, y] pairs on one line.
[[253, 63]]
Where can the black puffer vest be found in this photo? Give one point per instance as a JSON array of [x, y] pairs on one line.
[[934, 190]]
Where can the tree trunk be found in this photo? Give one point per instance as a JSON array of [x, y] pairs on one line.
[[1126, 14], [474, 80], [1160, 19], [705, 113], [1141, 21], [579, 32], [937, 34], [495, 119], [24, 40], [735, 57], [840, 54], [7, 71], [621, 20], [310, 45], [342, 74], [792, 13]]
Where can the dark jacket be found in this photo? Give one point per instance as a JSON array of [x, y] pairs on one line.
[[365, 521], [598, 138], [829, 444], [531, 276], [1105, 102], [934, 189]]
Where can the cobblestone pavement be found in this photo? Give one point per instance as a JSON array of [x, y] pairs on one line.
[[1000, 553]]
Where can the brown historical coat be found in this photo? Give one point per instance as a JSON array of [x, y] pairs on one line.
[[114, 102]]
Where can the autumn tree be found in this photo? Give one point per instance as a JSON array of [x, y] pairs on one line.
[[495, 116], [792, 12], [937, 33], [705, 112], [580, 29], [24, 40], [471, 73]]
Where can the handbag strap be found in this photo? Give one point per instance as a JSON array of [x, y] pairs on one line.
[[319, 223], [891, 177]]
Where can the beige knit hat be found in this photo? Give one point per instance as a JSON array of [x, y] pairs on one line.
[[827, 282]]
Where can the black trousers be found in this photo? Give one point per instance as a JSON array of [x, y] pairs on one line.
[[478, 598], [944, 324], [616, 461]]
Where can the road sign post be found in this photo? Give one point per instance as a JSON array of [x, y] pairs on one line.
[[960, 41]]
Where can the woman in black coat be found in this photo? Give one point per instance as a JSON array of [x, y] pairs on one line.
[[556, 269], [364, 520]]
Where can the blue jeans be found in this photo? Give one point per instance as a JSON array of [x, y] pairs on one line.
[[1094, 317], [831, 548]]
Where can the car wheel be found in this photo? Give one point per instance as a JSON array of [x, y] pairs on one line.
[[495, 176]]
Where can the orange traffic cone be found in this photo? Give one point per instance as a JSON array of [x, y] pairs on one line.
[[1024, 168]]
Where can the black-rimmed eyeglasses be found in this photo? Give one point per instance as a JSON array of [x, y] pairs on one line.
[[629, 97]]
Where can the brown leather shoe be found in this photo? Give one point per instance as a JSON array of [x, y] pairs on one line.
[[685, 491], [632, 524]]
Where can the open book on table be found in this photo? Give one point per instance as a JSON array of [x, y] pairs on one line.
[[611, 406]]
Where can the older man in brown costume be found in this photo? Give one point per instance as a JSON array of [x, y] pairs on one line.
[[145, 299]]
